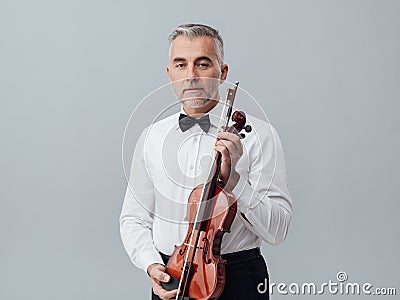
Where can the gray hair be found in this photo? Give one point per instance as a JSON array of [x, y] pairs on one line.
[[198, 30]]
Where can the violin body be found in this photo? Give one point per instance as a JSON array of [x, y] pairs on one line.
[[206, 272]]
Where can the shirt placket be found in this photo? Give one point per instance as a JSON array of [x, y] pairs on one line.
[[194, 156]]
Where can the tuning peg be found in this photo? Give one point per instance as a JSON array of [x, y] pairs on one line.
[[247, 128], [242, 135]]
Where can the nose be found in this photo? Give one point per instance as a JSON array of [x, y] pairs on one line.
[[192, 73]]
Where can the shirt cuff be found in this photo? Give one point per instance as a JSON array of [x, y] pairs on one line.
[[144, 260]]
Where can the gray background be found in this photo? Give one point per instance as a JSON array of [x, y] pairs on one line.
[[326, 72]]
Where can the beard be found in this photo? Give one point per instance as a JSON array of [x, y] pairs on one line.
[[199, 94], [195, 102]]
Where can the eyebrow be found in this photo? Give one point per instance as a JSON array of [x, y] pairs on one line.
[[204, 58], [179, 59]]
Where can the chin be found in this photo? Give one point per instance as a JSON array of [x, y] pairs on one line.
[[195, 102]]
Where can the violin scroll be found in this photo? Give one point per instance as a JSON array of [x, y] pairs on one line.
[[239, 117]]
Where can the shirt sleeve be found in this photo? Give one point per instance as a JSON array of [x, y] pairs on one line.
[[263, 199], [136, 219]]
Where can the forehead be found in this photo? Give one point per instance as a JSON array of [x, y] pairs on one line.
[[191, 47]]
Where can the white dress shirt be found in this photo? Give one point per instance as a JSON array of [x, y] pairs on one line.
[[168, 163]]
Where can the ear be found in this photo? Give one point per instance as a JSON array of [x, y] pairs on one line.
[[167, 70], [224, 73]]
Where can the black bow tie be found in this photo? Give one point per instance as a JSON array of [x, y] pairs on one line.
[[186, 122]]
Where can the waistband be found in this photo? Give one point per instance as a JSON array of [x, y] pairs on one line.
[[232, 257]]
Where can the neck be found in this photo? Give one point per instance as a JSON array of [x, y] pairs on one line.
[[194, 112]]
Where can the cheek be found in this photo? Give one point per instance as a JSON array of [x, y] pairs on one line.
[[210, 73], [172, 76], [217, 73], [177, 85], [175, 75]]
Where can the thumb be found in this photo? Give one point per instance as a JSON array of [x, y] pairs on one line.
[[158, 273], [164, 277]]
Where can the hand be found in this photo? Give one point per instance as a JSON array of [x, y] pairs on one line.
[[157, 274], [230, 147]]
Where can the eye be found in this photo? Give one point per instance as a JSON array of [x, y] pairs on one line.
[[203, 65], [180, 65]]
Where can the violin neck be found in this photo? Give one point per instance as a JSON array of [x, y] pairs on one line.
[[213, 177], [216, 166]]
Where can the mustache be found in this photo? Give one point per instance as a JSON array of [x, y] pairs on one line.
[[193, 87]]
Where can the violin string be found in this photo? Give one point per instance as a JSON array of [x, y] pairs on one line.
[[210, 164]]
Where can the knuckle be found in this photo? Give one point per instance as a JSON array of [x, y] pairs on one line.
[[156, 274], [156, 291], [160, 277]]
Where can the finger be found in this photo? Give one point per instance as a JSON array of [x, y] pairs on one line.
[[157, 288], [226, 158], [234, 150], [226, 164], [228, 136], [232, 139], [170, 294], [159, 274], [162, 293], [154, 281], [233, 154]]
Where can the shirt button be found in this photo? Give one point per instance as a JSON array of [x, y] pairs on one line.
[[191, 167]]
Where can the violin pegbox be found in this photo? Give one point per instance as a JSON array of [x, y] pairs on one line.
[[239, 117]]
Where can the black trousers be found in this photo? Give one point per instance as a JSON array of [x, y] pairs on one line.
[[244, 271]]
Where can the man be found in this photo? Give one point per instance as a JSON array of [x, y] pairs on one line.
[[168, 163]]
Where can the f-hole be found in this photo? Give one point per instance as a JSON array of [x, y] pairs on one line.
[[205, 251]]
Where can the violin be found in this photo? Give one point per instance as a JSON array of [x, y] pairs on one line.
[[196, 267]]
